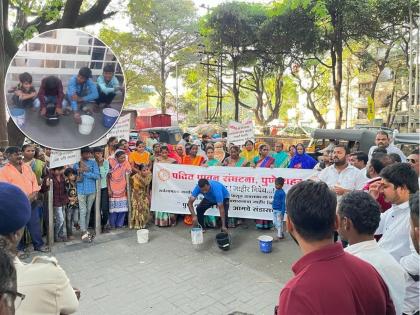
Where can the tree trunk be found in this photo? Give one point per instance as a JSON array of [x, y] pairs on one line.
[[162, 84], [235, 89], [3, 62], [318, 116]]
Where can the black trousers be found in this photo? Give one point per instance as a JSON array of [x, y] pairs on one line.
[[206, 204], [104, 207], [104, 98]]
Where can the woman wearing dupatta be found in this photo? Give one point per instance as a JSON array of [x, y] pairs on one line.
[[139, 156], [264, 160], [249, 152], [163, 219], [179, 153], [301, 160], [234, 160], [211, 160], [192, 159], [219, 152], [117, 189], [281, 157], [140, 203]]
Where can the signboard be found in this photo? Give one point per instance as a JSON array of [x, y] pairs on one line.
[[62, 158], [251, 189], [121, 130], [371, 109], [238, 133]]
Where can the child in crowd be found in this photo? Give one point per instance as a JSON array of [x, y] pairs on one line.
[[103, 165], [108, 86], [279, 207], [60, 200], [24, 94], [72, 209]]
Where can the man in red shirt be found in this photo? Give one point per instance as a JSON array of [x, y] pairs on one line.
[[327, 280]]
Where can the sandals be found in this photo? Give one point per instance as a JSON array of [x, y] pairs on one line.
[[87, 237]]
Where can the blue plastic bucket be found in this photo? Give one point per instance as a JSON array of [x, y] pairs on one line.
[[110, 117], [266, 243], [18, 115]]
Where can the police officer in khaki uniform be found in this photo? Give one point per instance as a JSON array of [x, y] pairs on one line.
[[45, 285]]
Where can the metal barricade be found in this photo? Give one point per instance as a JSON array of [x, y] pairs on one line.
[[98, 200], [50, 235]]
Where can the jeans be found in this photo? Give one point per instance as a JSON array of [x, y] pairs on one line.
[[34, 228], [205, 204], [26, 103], [85, 206], [104, 98], [72, 216], [116, 219], [278, 217], [59, 226]]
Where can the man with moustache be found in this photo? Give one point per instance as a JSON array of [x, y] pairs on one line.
[[342, 177], [382, 141], [18, 173]]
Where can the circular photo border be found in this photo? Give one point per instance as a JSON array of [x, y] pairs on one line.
[[49, 58]]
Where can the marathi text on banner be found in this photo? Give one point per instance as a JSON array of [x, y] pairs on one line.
[[239, 133], [62, 158], [251, 190]]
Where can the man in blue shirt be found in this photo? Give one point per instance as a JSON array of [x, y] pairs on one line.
[[108, 86], [214, 194], [87, 173], [81, 90]]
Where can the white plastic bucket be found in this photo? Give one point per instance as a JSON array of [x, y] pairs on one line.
[[197, 237], [86, 126], [18, 115], [142, 236]]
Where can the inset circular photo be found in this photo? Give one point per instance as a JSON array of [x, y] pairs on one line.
[[64, 89]]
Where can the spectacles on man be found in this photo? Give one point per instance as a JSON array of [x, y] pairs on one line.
[[413, 161], [19, 297]]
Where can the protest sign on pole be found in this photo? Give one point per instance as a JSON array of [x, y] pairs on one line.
[[251, 189], [121, 130], [61, 158], [239, 133]]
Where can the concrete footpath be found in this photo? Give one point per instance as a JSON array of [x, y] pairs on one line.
[[169, 276]]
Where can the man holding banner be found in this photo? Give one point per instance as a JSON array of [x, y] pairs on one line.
[[214, 193]]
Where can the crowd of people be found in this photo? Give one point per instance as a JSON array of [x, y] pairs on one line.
[[356, 200], [51, 99]]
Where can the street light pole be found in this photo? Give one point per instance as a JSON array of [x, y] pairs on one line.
[[176, 92]]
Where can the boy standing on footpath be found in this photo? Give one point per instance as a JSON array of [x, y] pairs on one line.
[[60, 201], [103, 165], [279, 207], [72, 209]]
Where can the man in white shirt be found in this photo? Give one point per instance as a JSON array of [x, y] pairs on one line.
[[398, 181], [411, 262], [359, 217], [342, 177], [382, 141], [359, 160]]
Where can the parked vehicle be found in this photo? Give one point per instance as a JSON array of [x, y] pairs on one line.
[[407, 142], [170, 135], [355, 139]]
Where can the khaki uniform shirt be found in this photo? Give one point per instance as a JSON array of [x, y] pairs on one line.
[[46, 287]]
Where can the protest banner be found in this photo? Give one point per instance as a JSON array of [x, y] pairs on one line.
[[238, 133], [61, 158], [121, 130], [251, 189]]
